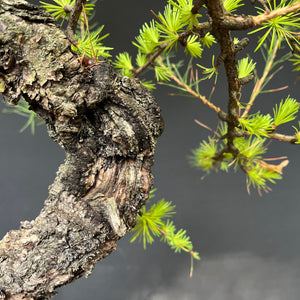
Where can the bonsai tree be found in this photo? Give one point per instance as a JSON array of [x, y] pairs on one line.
[[100, 110]]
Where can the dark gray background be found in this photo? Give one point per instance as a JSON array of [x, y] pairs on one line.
[[249, 245]]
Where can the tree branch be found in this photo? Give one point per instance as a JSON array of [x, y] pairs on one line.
[[242, 22], [269, 15], [217, 13], [73, 20], [108, 127], [292, 139]]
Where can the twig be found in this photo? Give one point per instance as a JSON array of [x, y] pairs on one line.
[[241, 22], [192, 92], [181, 38], [73, 20], [156, 54], [150, 60], [88, 30], [203, 125], [191, 252], [257, 20], [198, 4], [292, 139], [260, 82]]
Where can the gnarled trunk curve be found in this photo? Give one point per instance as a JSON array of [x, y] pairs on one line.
[[108, 126]]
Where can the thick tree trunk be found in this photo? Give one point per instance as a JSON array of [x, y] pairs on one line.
[[107, 125]]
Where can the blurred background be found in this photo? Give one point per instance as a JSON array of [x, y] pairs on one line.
[[249, 245]]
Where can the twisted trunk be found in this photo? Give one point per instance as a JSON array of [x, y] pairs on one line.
[[108, 126]]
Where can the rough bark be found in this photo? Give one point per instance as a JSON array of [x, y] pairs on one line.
[[107, 125]]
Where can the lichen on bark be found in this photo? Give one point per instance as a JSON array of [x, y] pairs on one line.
[[108, 126]]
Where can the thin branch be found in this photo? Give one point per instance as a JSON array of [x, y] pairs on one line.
[[241, 22], [198, 4], [88, 30], [150, 60], [73, 20], [217, 13], [257, 20], [259, 83], [292, 139], [193, 93], [191, 252], [181, 37], [263, 3], [203, 125], [201, 27]]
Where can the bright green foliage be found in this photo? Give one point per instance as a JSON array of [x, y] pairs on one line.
[[226, 162], [187, 79], [250, 157], [141, 59], [150, 221], [22, 109], [88, 44], [208, 40], [203, 156], [58, 10], [162, 73], [296, 61], [258, 176], [149, 85], [257, 124], [297, 133], [260, 125], [124, 64], [193, 47], [170, 25], [252, 147], [91, 45], [236, 40], [210, 72], [232, 5], [222, 130], [286, 111], [177, 15], [155, 222], [245, 67], [281, 27], [176, 240], [148, 40], [186, 16], [163, 35]]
